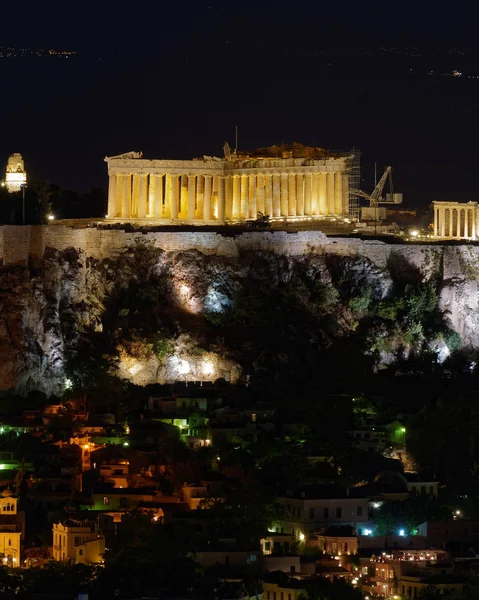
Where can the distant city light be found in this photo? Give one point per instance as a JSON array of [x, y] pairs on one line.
[[368, 531], [51, 217], [301, 537], [402, 533]]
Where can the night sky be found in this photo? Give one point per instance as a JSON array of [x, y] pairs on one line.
[[174, 80]]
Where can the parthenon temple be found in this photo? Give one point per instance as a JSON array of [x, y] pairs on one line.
[[287, 181], [455, 220]]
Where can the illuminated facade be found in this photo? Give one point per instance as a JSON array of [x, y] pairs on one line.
[[76, 542], [288, 181], [15, 176], [455, 220], [10, 530]]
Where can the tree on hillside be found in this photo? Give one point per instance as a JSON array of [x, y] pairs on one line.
[[43, 195]]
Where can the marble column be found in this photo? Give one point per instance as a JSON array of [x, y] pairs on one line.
[[244, 196], [200, 194], [308, 194], [236, 196], [276, 195], [473, 222], [190, 213], [338, 193], [253, 213], [142, 196], [214, 197], [315, 194], [323, 204], [284, 189], [135, 195], [162, 208], [152, 187], [466, 222], [330, 193], [207, 197], [345, 191], [442, 221], [173, 196], [299, 194], [183, 196], [268, 195], [292, 195], [228, 197], [126, 197], [260, 194], [436, 214], [112, 199], [221, 199]]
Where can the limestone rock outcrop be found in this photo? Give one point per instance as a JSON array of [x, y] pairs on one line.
[[168, 314]]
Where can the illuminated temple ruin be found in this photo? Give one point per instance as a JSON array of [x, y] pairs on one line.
[[456, 220], [287, 181]]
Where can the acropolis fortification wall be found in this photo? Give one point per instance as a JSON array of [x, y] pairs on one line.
[[18, 243]]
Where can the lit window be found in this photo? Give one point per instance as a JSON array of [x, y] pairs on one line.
[[106, 500]]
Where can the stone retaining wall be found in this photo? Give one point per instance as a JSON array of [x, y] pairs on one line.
[[17, 243]]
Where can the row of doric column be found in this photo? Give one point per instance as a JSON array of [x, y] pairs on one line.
[[455, 222], [227, 197]]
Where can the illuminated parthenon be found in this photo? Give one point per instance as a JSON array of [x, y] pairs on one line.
[[455, 220], [291, 181]]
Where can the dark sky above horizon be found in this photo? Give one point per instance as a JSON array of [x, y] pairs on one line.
[[173, 79]]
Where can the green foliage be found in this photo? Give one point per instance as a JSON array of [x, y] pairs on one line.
[[43, 193], [217, 318], [314, 291], [408, 514], [145, 556], [162, 347], [414, 333], [419, 300], [452, 340], [323, 295], [387, 311], [123, 312], [147, 295], [248, 506], [362, 302], [262, 221], [380, 342]]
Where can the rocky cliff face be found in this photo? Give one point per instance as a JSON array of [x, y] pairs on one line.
[[166, 316]]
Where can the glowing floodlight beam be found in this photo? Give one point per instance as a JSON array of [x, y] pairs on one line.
[[133, 370], [208, 368], [183, 367]]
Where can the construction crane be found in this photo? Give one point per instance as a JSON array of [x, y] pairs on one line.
[[376, 197]]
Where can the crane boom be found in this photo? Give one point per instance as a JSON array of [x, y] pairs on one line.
[[375, 197]]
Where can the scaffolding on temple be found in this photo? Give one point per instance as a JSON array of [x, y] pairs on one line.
[[355, 183]]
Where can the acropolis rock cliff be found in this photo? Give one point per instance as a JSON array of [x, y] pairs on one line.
[[58, 282]]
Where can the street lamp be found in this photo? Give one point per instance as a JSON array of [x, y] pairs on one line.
[[23, 186]]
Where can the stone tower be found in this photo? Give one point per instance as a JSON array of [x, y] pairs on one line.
[[15, 176]]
